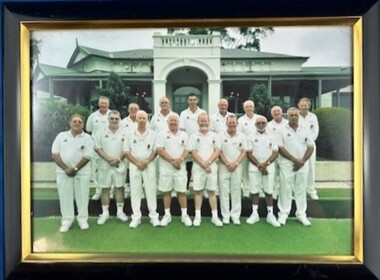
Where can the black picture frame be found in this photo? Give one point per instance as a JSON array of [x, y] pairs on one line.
[[16, 12]]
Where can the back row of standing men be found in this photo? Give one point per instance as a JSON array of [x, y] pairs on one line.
[[223, 137]]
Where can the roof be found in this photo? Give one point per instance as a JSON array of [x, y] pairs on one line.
[[148, 54], [55, 70]]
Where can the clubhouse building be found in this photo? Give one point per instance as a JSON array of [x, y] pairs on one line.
[[180, 64]]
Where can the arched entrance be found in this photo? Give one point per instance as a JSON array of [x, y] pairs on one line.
[[184, 80]]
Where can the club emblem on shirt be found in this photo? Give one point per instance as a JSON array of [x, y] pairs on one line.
[[107, 136], [274, 128], [256, 140], [158, 120], [225, 140], [246, 123], [270, 144], [198, 140], [82, 147], [213, 141], [217, 120], [240, 144], [183, 142], [305, 139], [289, 135], [96, 121], [148, 146], [188, 117], [134, 141], [65, 140], [122, 139], [168, 137], [311, 126]]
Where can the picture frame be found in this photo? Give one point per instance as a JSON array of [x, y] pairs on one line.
[[28, 265]]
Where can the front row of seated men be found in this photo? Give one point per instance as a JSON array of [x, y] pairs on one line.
[[217, 166]]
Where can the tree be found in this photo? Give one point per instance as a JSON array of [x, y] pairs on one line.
[[263, 103], [119, 94], [240, 37]]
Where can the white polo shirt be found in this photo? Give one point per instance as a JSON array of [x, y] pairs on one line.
[[96, 121], [262, 145], [129, 124], [111, 143], [140, 145], [159, 122], [72, 149], [188, 121], [174, 145], [246, 124], [296, 143], [310, 122], [231, 147], [275, 127], [204, 144], [218, 122]]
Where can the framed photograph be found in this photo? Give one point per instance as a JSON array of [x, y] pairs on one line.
[[64, 65]]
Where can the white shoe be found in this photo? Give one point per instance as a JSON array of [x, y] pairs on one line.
[[304, 221], [155, 222], [96, 196], [216, 221], [186, 220], [282, 220], [254, 218], [271, 219], [64, 228], [226, 220], [84, 226], [235, 221], [103, 219], [166, 219], [134, 223], [122, 217], [313, 196], [197, 221]]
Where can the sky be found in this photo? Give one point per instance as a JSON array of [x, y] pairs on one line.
[[325, 46]]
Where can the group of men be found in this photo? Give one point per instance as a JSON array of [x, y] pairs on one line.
[[221, 154]]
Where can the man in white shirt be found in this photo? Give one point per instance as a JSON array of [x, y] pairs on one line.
[[140, 152], [129, 122], [96, 121], [72, 150], [112, 170], [188, 122], [159, 121], [204, 146], [274, 126], [310, 121], [247, 126], [262, 152], [218, 122], [171, 147], [296, 147], [233, 152]]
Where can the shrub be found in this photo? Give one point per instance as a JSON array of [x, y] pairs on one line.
[[48, 120], [335, 133]]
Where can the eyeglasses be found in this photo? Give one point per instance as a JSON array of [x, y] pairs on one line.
[[114, 119], [260, 122]]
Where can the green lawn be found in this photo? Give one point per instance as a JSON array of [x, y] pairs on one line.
[[324, 193], [324, 237]]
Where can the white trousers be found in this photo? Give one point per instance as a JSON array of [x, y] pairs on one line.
[[292, 181], [72, 189], [311, 175], [229, 186], [246, 186], [143, 181]]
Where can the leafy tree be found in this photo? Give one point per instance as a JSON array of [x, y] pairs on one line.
[[118, 92], [263, 103], [50, 118], [240, 37]]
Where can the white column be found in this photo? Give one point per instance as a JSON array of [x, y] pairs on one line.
[[214, 95], [159, 90]]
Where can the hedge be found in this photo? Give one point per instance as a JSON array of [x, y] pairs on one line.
[[335, 134]]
